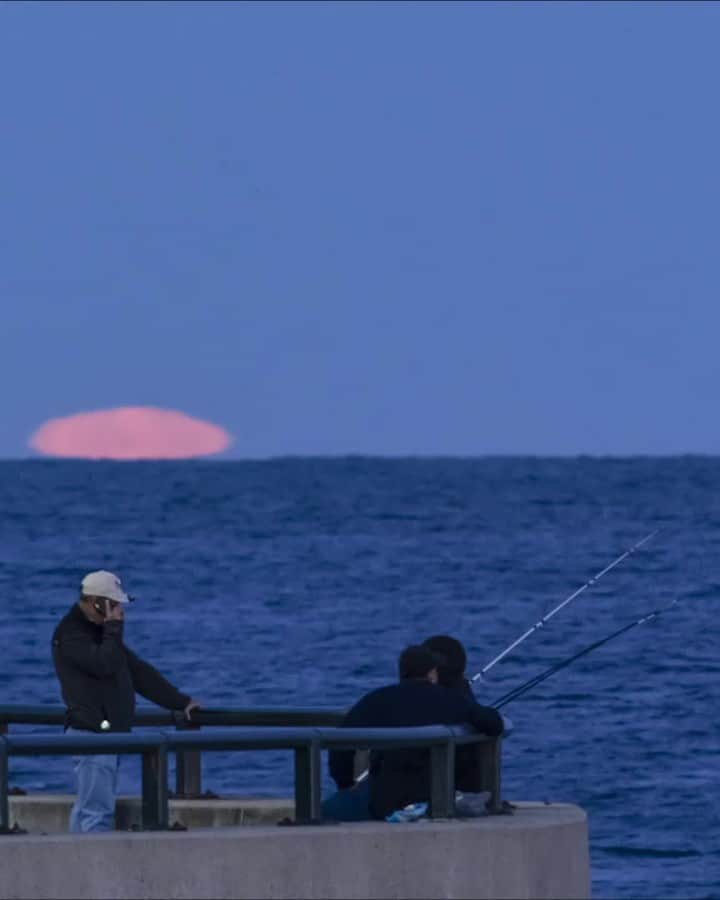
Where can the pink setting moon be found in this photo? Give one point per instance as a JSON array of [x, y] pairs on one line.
[[130, 432]]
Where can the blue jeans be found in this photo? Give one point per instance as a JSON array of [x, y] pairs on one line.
[[96, 779], [350, 805]]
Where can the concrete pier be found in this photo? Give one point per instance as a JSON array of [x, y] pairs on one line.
[[540, 852]]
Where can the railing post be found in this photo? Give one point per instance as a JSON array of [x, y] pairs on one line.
[[489, 761], [307, 781], [155, 814], [442, 780], [188, 765], [4, 787]]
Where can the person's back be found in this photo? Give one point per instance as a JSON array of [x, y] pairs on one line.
[[400, 777]]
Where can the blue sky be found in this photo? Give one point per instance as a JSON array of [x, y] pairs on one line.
[[388, 228]]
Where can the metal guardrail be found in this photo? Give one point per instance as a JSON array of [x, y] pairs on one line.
[[188, 770], [306, 742], [52, 714]]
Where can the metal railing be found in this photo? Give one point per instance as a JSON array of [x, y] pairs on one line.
[[305, 741], [52, 714], [188, 770]]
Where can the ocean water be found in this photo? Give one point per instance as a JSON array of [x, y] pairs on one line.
[[298, 581]]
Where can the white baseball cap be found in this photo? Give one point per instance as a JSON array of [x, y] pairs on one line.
[[104, 584]]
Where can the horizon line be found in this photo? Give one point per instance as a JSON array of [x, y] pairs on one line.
[[570, 456]]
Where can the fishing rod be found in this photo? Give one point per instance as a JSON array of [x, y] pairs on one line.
[[563, 664], [539, 624], [547, 617], [532, 682]]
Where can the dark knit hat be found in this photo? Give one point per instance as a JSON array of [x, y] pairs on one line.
[[417, 661], [452, 670]]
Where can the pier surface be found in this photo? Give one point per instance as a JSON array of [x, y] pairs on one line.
[[539, 852]]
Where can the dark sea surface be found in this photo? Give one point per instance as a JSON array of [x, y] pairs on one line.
[[297, 582]]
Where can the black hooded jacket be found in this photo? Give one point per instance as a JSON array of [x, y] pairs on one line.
[[399, 777], [99, 675], [468, 775]]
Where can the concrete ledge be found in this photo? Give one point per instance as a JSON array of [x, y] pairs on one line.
[[540, 852], [50, 813]]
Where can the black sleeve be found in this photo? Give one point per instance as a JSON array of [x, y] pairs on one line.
[[342, 762], [149, 683], [485, 719], [101, 660]]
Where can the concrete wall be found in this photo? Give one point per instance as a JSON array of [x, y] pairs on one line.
[[50, 813], [540, 852]]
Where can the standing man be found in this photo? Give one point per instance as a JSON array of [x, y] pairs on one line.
[[99, 677]]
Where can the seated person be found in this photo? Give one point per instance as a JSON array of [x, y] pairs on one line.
[[451, 671], [451, 674], [400, 777]]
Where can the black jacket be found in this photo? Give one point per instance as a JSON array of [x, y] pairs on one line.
[[468, 775], [399, 777], [99, 675]]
